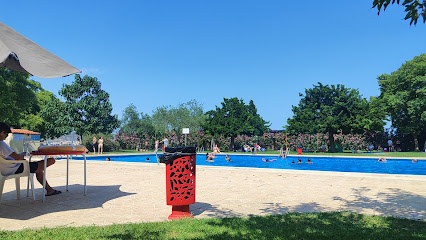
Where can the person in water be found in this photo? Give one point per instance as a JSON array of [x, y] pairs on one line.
[[209, 157], [227, 158], [309, 160], [382, 160], [299, 160], [267, 160]]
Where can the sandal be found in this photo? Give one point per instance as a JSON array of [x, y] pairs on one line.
[[55, 192]]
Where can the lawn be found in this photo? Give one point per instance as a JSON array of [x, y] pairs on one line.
[[342, 225]]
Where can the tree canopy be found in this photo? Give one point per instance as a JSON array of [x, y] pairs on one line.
[[137, 123], [186, 115], [17, 96], [329, 109], [234, 118], [87, 108], [404, 95], [413, 8]]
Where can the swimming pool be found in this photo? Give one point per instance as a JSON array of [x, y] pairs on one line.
[[363, 165]]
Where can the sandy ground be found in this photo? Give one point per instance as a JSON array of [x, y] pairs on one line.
[[121, 192]]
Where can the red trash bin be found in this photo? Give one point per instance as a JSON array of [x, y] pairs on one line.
[[299, 150], [180, 179]]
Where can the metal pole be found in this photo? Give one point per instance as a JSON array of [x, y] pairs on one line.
[[185, 138]]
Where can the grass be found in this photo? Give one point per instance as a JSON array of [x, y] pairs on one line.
[[344, 225]]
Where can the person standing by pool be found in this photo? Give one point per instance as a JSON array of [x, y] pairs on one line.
[[100, 145], [165, 143], [94, 144], [156, 145], [215, 150], [390, 145]]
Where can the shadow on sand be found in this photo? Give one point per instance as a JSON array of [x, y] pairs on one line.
[[74, 199]]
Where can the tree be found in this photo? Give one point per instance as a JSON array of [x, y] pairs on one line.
[[234, 118], [413, 8], [186, 115], [55, 117], [87, 108], [17, 96], [329, 109], [132, 123], [404, 95]]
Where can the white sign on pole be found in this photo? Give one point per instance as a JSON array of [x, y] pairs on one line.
[[185, 130]]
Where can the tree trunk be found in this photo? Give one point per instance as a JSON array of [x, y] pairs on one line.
[[331, 140], [416, 143], [231, 146]]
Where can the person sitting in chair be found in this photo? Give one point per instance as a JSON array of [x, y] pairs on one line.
[[14, 168]]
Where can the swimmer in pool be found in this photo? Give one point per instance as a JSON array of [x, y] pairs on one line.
[[309, 161], [209, 157], [299, 160], [227, 158], [267, 160], [382, 160]]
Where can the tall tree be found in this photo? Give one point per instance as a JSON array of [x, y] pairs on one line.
[[132, 123], [186, 115], [17, 96], [87, 107], [234, 118], [328, 109], [404, 95], [413, 8]]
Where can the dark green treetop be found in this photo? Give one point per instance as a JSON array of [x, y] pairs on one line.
[[87, 107], [404, 95], [329, 109], [413, 8], [234, 118]]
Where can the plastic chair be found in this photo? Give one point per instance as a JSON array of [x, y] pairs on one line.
[[25, 173]]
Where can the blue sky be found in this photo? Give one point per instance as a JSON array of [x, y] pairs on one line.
[[160, 53]]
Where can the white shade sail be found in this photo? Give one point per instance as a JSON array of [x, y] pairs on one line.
[[21, 54]]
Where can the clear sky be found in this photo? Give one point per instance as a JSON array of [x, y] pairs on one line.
[[160, 53]]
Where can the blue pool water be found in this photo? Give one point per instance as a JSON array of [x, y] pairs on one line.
[[363, 165]]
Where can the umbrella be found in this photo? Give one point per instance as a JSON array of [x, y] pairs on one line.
[[21, 54]]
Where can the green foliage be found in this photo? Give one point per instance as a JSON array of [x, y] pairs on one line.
[[235, 118], [404, 95], [186, 115], [87, 108], [131, 123], [56, 118], [329, 109], [337, 225], [413, 8], [17, 97]]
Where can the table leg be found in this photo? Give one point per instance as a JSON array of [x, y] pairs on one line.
[[44, 178], [68, 166], [28, 180], [84, 156]]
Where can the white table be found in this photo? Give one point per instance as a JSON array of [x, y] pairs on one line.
[[55, 154]]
